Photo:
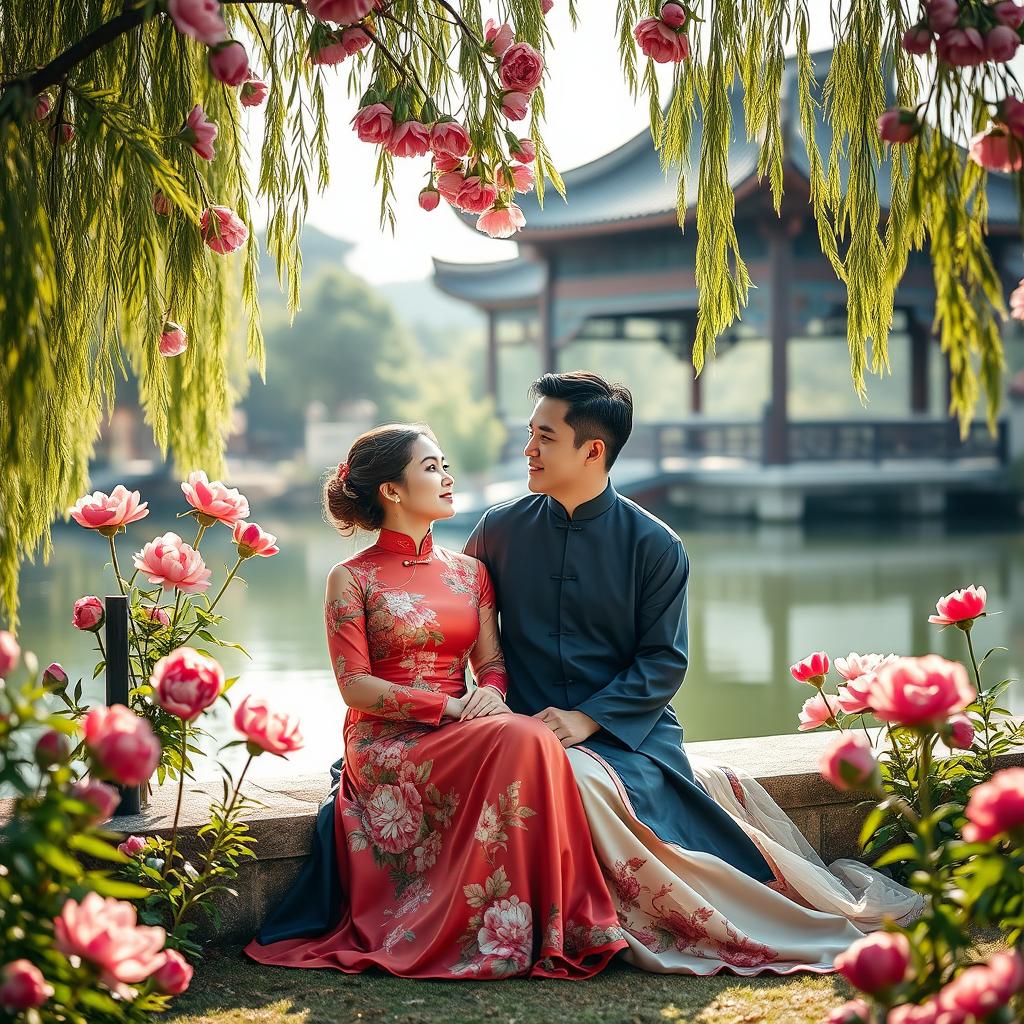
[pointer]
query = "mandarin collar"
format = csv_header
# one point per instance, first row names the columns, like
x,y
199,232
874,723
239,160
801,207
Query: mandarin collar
x,y
589,509
403,544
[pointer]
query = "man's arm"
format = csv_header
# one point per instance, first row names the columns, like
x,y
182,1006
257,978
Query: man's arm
x,y
630,705
476,546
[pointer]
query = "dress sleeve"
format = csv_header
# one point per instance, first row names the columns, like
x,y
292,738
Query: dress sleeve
x,y
630,705
345,614
486,657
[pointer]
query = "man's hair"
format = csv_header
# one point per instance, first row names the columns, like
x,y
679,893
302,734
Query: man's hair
x,y
597,408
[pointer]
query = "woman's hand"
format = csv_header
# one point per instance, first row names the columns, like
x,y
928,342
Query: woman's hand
x,y
484,700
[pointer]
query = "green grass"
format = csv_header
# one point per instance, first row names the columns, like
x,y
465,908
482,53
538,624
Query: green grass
x,y
228,988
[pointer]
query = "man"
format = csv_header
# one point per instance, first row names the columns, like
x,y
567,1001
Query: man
x,y
591,592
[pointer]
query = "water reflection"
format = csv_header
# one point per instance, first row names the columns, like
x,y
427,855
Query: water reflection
x,y
760,598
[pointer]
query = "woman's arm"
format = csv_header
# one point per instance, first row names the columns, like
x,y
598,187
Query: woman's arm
x,y
486,659
345,615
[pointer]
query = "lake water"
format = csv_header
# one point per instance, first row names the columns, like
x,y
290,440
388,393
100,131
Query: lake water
x,y
760,598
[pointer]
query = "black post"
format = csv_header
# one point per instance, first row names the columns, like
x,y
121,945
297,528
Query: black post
x,y
117,679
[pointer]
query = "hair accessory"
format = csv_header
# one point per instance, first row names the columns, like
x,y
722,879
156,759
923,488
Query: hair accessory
x,y
343,471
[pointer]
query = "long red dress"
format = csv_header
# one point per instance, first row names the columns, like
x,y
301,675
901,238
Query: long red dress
x,y
463,848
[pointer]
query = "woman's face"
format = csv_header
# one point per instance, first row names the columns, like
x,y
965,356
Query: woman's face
x,y
427,491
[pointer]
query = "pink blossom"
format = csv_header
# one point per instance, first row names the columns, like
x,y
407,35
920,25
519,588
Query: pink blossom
x,y
443,162
501,221
103,799
1009,13
43,106
476,195
22,986
815,712
328,55
410,138
169,561
898,125
449,183
105,932
875,963
546,5
51,749
514,105
122,743
175,975
88,613
61,134
109,513
960,732
229,63
811,669
1017,301
354,39
449,138
133,846
162,206
507,931
848,763
971,994
154,617
961,47
54,675
918,38
429,198
393,815
960,606
252,540
343,12
276,732
10,652
374,123
855,696
1006,973
912,1013
522,68
855,665
518,177
996,807
1001,44
942,14
200,19
214,500
525,152
173,339
674,15
660,42
856,1011
199,132
185,683
920,692
997,150
253,92
1011,113
223,232
498,38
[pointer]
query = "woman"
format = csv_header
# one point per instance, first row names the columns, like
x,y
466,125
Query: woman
x,y
461,845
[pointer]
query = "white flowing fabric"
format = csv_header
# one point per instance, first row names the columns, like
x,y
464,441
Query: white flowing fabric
x,y
693,913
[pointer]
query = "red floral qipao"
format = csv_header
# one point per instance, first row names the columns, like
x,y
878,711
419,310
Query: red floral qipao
x,y
463,849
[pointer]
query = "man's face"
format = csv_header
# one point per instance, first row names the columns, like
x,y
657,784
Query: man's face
x,y
555,461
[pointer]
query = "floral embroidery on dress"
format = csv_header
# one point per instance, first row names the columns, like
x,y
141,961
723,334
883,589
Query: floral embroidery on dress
x,y
582,938
461,576
495,820
498,941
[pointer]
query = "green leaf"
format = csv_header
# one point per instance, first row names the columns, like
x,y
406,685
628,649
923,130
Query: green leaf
x,y
97,848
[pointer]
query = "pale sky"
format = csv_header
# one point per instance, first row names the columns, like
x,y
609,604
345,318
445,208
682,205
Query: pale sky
x,y
589,113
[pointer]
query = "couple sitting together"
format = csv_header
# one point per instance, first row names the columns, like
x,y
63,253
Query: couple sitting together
x,y
547,818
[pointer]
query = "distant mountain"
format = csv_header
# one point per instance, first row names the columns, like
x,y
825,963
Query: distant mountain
x,y
319,250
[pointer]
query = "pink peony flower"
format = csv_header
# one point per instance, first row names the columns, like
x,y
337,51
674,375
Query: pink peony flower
x,y
429,198
961,47
175,976
476,195
911,1013
1009,13
393,816
674,15
328,55
61,134
1011,113
519,177
88,613
501,221
449,183
43,106
410,138
815,712
186,683
103,799
105,932
498,38
1006,973
342,12
223,232
109,513
1001,44
254,92
155,618
10,652
443,162
996,807
855,665
848,763
898,125
997,150
514,105
942,14
133,846
875,963
971,995
507,931
122,744
162,206
855,696
811,669
961,606
374,123
449,138
172,563
920,692
252,540
214,501
546,5
200,19
22,986
273,731
960,732
522,68
660,42
173,339
51,749
199,133
918,38
856,1011
54,675
355,39
229,63
525,152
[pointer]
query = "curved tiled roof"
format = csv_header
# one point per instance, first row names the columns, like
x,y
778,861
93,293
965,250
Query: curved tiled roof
x,y
507,283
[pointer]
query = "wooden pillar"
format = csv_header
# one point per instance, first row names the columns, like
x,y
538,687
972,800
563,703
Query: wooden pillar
x,y
776,441
548,352
920,345
492,356
696,398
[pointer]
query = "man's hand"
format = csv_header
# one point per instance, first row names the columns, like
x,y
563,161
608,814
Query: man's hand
x,y
484,700
571,727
